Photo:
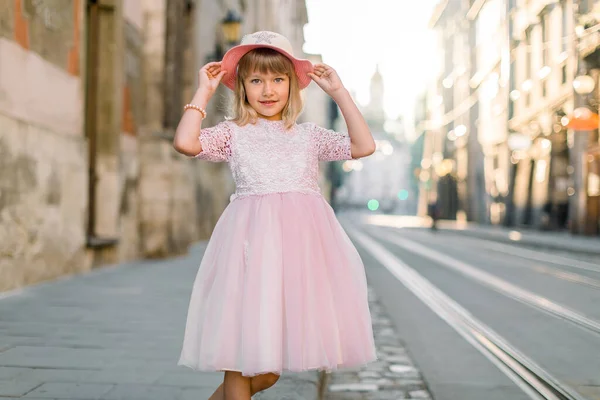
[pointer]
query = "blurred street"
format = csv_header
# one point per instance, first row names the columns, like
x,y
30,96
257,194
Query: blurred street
x,y
483,319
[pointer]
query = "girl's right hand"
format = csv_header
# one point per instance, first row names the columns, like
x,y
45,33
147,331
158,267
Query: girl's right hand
x,y
210,76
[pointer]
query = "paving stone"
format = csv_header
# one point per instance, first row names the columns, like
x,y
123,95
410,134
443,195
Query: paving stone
x,y
394,375
388,395
369,374
49,357
11,372
397,359
393,349
117,376
142,392
344,396
353,387
382,321
196,394
402,369
80,391
408,381
419,394
379,364
191,379
289,388
15,387
54,375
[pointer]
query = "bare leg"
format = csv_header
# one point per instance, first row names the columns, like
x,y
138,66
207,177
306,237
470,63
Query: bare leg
x,y
262,382
258,383
236,386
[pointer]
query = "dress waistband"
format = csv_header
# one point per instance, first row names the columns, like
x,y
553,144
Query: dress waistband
x,y
239,195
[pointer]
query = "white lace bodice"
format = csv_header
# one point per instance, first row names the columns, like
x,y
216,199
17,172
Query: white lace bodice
x,y
266,158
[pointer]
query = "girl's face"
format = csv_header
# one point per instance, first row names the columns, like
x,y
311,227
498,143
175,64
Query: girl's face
x,y
267,93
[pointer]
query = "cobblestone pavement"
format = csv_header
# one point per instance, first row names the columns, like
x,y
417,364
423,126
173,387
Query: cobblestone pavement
x,y
392,376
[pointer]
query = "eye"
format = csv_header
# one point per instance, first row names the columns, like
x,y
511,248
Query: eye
x,y
255,80
279,79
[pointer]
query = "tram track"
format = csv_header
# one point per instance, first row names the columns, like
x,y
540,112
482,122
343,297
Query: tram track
x,y
540,265
499,285
530,377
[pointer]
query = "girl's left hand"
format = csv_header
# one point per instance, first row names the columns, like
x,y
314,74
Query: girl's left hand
x,y
326,78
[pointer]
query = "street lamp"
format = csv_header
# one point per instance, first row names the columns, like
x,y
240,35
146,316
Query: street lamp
x,y
231,26
230,36
584,119
583,84
583,122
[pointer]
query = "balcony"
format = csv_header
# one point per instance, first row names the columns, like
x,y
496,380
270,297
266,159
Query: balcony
x,y
589,41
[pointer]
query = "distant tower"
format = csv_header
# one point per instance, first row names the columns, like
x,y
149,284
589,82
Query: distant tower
x,y
374,111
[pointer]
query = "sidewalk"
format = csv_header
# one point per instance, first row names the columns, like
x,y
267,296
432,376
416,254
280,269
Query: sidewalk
x,y
112,334
561,241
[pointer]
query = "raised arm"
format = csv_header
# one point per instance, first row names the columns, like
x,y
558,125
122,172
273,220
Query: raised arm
x,y
361,139
186,136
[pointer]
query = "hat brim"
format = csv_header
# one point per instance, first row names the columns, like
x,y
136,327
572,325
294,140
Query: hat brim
x,y
233,56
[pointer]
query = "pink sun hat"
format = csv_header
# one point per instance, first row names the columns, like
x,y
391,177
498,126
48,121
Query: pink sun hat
x,y
269,40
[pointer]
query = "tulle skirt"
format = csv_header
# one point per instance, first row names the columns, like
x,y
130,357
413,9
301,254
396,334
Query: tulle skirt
x,y
280,288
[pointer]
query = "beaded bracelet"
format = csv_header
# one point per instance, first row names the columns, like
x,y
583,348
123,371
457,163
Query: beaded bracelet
x,y
197,108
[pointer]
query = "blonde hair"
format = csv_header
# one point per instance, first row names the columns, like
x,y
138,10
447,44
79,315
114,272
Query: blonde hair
x,y
265,61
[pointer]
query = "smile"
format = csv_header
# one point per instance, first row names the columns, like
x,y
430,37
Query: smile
x,y
268,103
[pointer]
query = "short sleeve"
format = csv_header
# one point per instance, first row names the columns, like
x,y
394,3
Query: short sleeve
x,y
331,145
216,143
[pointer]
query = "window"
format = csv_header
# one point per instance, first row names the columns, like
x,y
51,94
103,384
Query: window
x,y
528,66
528,54
545,40
565,25
512,87
544,88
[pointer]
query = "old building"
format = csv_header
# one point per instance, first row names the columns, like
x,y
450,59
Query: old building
x,y
44,162
83,183
529,77
541,94
452,165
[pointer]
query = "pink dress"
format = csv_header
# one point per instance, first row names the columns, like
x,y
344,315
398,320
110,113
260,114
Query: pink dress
x,y
281,286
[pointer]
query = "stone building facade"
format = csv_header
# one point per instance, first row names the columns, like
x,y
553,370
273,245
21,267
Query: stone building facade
x,y
44,163
508,80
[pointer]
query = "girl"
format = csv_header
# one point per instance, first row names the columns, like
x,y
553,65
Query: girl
x,y
280,286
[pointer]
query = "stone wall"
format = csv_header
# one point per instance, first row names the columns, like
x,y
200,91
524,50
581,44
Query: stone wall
x,y
43,168
167,192
145,192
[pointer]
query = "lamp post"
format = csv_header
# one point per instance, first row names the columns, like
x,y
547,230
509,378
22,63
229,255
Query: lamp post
x,y
231,26
582,123
583,84
229,36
